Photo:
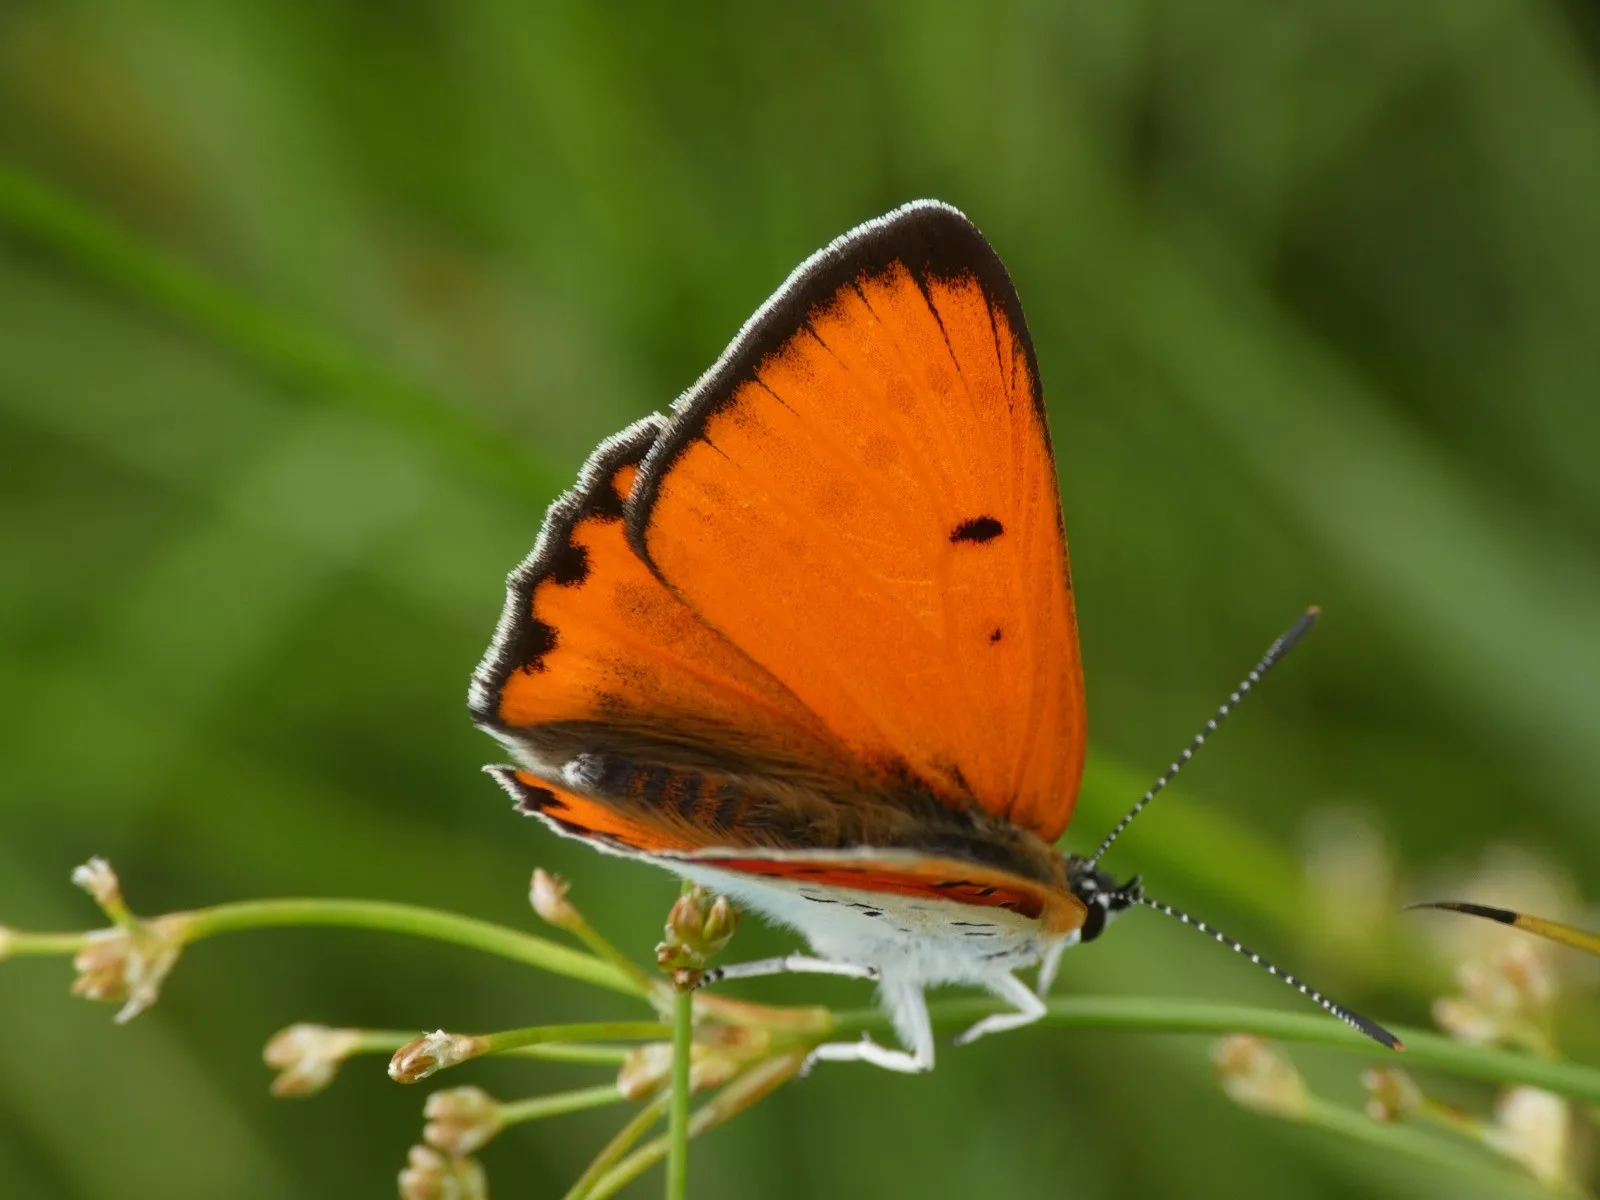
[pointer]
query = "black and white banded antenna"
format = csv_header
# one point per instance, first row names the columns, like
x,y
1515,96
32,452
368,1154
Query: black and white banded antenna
x,y
1275,652
1133,893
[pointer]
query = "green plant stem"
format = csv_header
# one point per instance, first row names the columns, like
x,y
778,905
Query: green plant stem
x,y
1157,1015
409,919
1423,1147
17,944
618,1146
292,353
574,1052
387,1041
602,949
743,1092
678,1112
514,1039
577,1100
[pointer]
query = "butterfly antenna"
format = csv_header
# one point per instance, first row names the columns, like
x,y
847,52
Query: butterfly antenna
x,y
1276,651
1134,893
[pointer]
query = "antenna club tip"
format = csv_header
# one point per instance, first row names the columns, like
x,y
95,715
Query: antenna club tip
x,y
1313,611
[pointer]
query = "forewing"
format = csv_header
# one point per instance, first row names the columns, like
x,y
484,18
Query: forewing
x,y
861,496
595,654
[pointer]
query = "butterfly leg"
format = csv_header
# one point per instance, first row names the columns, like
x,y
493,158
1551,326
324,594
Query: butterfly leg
x,y
909,1011
1048,965
789,964
1008,987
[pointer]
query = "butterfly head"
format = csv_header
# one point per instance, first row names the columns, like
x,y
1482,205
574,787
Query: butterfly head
x,y
1102,896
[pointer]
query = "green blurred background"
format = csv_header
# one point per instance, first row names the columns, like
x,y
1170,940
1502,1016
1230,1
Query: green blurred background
x,y
1316,294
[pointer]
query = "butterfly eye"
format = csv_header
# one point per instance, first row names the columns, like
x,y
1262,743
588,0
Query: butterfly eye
x,y
1094,923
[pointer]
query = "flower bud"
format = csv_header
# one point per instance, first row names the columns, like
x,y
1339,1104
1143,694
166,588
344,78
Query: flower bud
x,y
722,920
1394,1094
1534,1128
98,879
429,1175
684,919
1257,1076
432,1052
307,1057
127,965
1527,975
460,1120
548,895
698,928
1466,1021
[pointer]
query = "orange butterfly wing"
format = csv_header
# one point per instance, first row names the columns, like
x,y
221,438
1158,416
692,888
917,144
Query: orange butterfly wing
x,y
594,653
665,830
861,496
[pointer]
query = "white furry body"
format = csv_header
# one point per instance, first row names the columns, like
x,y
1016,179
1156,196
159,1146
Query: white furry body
x,y
927,942
907,944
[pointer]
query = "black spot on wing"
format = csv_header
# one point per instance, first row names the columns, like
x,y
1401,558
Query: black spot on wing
x,y
529,799
570,565
977,529
994,636
932,241
534,800
522,640
530,642
605,504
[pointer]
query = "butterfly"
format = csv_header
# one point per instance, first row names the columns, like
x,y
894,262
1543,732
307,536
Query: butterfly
x,y
810,640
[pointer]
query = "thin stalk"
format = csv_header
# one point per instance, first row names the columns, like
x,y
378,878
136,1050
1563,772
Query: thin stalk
x,y
516,1039
378,1041
678,1112
1157,1015
416,921
771,1017
744,1092
618,1146
574,922
576,1100
14,943
574,1052
427,1054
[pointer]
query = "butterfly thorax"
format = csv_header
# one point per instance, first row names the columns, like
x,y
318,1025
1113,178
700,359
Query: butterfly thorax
x,y
914,939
